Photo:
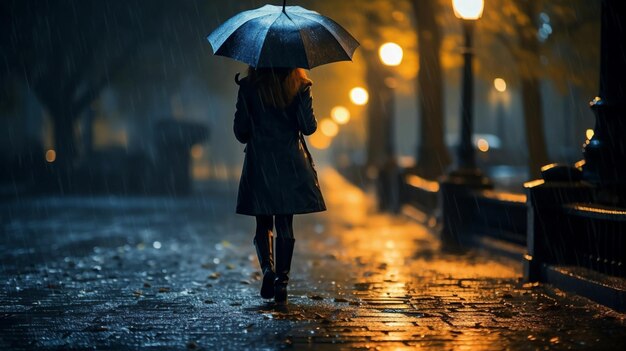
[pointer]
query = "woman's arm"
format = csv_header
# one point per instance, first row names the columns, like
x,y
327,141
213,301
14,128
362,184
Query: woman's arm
x,y
243,125
304,113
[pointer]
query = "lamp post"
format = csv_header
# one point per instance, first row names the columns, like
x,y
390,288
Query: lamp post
x,y
456,188
390,55
468,11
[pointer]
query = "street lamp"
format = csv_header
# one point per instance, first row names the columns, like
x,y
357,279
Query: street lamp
x,y
469,11
456,189
390,55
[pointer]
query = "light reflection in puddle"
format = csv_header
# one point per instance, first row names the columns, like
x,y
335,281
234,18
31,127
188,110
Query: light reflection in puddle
x,y
409,292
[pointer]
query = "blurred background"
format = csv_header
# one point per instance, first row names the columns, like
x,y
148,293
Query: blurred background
x,y
126,97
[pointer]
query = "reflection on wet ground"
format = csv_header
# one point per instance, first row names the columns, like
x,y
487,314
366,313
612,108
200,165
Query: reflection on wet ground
x,y
181,274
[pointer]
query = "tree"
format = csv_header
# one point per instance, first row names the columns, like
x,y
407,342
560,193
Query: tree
x,y
68,51
375,22
432,153
517,26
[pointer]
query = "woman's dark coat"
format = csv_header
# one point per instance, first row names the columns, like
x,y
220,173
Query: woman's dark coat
x,y
278,175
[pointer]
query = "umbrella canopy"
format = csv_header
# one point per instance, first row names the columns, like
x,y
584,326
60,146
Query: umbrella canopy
x,y
282,36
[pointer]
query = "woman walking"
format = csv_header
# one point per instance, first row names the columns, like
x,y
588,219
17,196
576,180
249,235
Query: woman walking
x,y
278,180
274,111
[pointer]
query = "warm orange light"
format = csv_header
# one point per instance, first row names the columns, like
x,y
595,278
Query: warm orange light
x,y
589,133
483,145
468,9
51,156
422,183
329,128
390,54
505,197
197,151
340,114
320,141
359,96
499,84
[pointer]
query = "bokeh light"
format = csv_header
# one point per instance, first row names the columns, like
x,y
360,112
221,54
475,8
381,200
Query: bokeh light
x,y
390,54
589,133
51,156
328,127
359,96
483,145
320,141
340,114
197,151
499,84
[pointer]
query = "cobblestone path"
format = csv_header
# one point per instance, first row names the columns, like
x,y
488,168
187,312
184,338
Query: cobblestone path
x,y
159,273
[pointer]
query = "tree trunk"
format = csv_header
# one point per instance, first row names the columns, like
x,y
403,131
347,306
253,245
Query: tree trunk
x,y
531,95
378,133
533,118
432,154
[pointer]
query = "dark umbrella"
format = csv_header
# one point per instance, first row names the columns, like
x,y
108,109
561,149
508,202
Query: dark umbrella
x,y
287,36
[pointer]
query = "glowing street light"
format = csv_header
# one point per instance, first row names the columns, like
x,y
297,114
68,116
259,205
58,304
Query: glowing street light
x,y
468,9
388,192
359,96
390,54
340,114
329,128
499,84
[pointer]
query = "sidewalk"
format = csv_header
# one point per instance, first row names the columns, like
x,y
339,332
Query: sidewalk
x,y
181,274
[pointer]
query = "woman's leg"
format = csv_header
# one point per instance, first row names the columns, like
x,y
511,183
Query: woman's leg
x,y
284,252
284,226
264,251
264,224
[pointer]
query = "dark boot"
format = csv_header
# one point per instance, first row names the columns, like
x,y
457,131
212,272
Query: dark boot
x,y
284,253
264,244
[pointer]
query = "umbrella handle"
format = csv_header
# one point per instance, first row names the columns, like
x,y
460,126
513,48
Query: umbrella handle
x,y
284,3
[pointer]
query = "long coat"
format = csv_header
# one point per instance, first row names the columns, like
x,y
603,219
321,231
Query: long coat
x,y
278,175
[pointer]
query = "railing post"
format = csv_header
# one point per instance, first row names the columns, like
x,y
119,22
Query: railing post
x,y
547,236
605,153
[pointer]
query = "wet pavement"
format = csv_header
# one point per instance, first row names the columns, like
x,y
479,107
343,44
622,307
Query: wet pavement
x,y
160,273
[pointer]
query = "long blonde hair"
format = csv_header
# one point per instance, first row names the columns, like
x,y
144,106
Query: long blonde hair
x,y
278,86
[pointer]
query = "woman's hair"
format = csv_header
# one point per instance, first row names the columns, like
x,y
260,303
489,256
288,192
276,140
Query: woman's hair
x,y
278,86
